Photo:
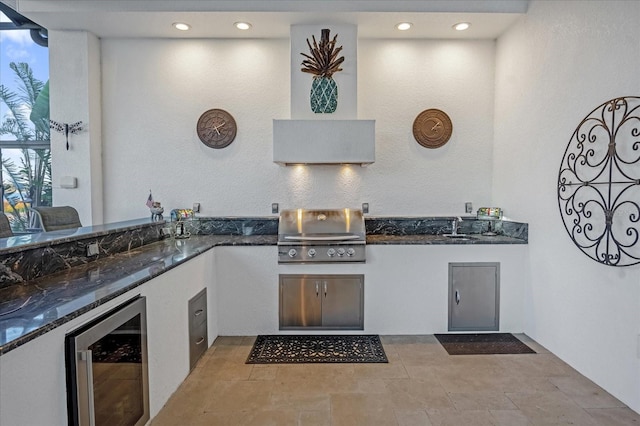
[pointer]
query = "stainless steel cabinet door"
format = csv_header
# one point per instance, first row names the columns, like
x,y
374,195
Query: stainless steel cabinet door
x,y
474,296
323,302
342,302
300,301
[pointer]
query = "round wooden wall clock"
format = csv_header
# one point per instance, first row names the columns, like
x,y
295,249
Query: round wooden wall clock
x,y
432,128
216,128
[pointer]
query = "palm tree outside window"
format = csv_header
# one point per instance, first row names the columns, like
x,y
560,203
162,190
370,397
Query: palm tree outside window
x,y
25,152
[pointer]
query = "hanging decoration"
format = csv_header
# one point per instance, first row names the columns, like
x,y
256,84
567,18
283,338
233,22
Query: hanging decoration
x,y
599,183
66,128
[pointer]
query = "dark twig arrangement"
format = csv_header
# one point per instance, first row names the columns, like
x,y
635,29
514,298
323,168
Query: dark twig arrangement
x,y
323,61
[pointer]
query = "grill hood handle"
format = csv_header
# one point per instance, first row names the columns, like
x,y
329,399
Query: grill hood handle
x,y
323,238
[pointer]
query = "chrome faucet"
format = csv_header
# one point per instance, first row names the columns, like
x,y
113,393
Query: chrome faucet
x,y
454,225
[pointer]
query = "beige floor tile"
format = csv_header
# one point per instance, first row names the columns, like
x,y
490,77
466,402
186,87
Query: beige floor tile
x,y
481,401
313,371
263,372
380,371
314,418
276,417
585,393
412,418
421,385
461,418
239,396
226,370
307,401
478,381
371,386
510,418
551,408
357,409
539,365
244,418
615,416
317,385
417,394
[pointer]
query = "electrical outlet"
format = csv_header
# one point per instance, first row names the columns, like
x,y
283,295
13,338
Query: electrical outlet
x,y
275,208
468,207
92,249
365,207
196,207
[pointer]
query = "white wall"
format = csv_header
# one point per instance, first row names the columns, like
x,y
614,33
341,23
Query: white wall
x,y
155,90
74,72
557,64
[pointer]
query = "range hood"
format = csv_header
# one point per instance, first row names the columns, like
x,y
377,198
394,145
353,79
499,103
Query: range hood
x,y
324,138
323,142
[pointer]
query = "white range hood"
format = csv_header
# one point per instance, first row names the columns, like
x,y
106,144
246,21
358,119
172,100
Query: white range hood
x,y
324,141
335,138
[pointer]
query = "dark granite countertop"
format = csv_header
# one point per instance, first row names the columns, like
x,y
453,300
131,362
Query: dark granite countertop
x,y
430,239
28,310
41,239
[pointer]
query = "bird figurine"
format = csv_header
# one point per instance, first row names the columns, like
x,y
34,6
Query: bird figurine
x,y
66,128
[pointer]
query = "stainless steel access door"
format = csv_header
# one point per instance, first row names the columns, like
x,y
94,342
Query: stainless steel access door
x,y
474,296
327,302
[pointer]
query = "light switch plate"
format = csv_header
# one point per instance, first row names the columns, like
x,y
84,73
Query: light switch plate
x,y
196,207
68,182
468,207
365,208
275,208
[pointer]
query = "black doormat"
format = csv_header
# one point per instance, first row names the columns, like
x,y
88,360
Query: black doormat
x,y
299,349
483,344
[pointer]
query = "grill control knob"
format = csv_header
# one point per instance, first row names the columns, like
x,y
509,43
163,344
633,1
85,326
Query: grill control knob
x,y
350,252
292,253
311,252
340,252
331,252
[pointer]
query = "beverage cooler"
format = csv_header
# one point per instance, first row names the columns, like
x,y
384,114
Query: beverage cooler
x,y
107,375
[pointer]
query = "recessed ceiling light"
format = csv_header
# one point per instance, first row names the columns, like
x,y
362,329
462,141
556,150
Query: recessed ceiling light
x,y
461,26
404,26
181,26
242,25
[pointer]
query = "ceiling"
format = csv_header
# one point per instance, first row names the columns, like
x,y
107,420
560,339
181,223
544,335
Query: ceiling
x,y
272,18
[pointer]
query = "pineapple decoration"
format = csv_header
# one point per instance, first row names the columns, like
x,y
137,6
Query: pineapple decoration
x,y
323,63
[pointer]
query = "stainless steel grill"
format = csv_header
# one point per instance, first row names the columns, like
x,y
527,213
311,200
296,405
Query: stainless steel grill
x,y
321,236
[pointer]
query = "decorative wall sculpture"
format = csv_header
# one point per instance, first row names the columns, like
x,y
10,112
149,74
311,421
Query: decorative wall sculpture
x,y
599,183
323,62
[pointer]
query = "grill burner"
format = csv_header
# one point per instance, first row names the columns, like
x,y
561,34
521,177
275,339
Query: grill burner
x,y
321,236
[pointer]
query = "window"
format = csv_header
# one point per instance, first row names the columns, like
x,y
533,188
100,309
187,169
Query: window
x,y
24,119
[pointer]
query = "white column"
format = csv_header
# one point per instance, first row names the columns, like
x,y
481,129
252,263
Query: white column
x,y
75,95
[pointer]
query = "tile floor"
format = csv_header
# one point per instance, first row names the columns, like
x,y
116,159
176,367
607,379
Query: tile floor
x,y
421,385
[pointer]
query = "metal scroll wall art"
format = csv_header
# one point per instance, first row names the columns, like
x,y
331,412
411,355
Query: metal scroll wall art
x,y
599,183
